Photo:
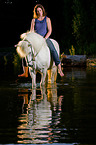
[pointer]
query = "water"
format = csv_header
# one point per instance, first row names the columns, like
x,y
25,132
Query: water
x,y
64,112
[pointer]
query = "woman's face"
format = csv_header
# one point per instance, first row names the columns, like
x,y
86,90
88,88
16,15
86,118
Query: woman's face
x,y
39,12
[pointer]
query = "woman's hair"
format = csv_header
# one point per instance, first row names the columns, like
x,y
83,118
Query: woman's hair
x,y
35,10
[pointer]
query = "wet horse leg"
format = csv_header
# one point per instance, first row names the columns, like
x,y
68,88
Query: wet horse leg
x,y
43,76
49,75
33,76
54,74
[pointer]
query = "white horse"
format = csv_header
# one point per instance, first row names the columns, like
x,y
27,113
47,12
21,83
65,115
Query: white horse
x,y
34,48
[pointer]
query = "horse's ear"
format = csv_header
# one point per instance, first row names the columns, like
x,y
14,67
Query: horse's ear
x,y
22,36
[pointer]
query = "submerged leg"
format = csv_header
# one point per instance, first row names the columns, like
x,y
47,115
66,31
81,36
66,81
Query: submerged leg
x,y
52,74
33,76
49,75
43,76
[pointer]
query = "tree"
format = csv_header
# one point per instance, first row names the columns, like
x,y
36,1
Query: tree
x,y
84,26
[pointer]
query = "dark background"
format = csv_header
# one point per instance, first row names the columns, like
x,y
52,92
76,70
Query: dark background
x,y
73,22
16,16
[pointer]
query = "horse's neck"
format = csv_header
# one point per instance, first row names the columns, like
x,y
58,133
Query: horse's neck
x,y
36,42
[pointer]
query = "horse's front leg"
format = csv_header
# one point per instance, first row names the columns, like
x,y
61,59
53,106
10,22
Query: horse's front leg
x,y
43,76
33,76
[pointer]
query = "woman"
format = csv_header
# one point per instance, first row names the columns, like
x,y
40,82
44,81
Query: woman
x,y
41,24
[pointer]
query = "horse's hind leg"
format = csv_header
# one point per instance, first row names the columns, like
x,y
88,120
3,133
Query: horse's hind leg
x,y
49,75
54,74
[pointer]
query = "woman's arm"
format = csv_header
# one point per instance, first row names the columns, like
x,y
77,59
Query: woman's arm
x,y
49,26
32,25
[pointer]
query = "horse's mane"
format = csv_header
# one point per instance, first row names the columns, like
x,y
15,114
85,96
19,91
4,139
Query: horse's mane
x,y
21,49
35,39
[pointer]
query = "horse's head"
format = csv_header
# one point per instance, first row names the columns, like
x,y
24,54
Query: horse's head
x,y
23,48
31,42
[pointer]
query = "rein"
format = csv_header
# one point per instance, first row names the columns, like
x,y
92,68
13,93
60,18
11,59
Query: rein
x,y
33,57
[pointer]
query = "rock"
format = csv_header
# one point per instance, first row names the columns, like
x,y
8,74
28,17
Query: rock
x,y
73,60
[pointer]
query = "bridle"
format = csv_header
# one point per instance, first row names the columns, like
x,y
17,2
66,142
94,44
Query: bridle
x,y
33,56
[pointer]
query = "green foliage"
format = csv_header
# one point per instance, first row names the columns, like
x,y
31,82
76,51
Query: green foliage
x,y
91,49
5,60
72,50
76,26
84,26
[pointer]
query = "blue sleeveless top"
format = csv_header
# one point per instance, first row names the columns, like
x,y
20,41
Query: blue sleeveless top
x,y
41,26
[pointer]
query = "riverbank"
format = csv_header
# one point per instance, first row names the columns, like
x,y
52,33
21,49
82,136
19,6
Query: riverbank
x,y
9,56
78,60
91,62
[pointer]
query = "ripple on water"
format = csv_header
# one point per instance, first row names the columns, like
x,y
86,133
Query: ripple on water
x,y
63,113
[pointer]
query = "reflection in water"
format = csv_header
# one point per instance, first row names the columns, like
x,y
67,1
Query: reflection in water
x,y
24,93
35,126
64,112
